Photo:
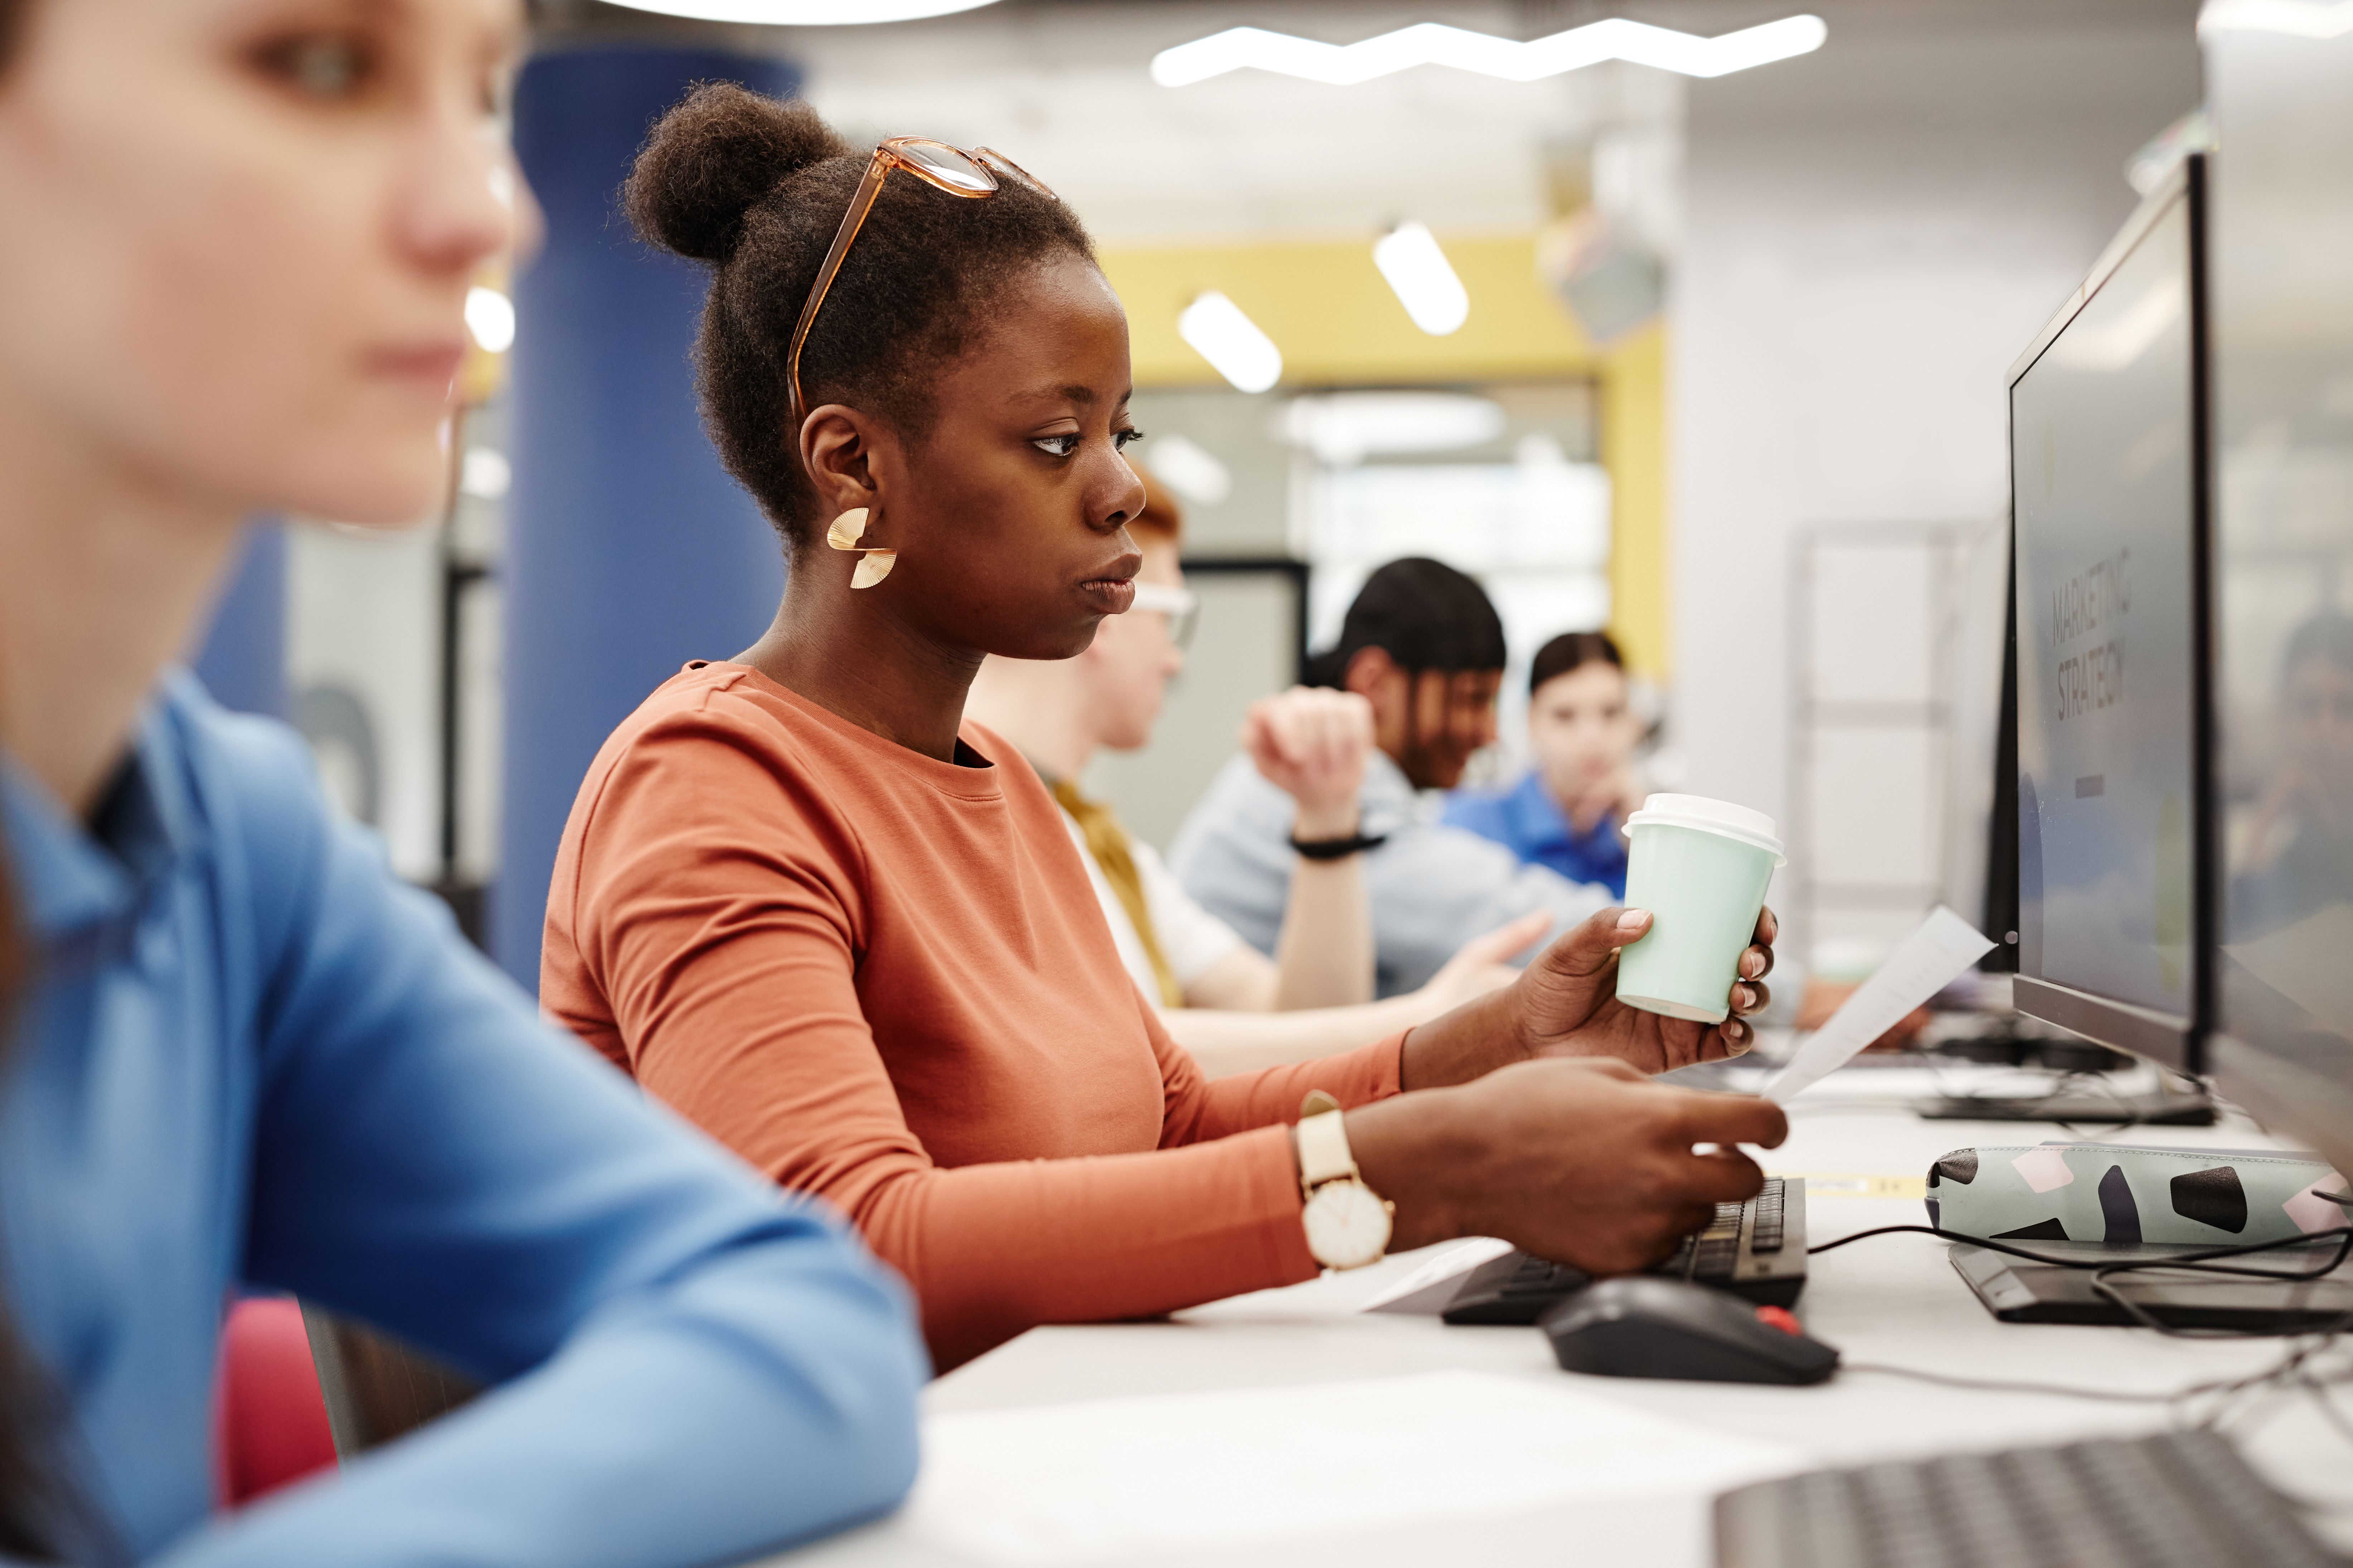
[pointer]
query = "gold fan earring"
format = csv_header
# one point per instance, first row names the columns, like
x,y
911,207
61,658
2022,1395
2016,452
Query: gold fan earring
x,y
873,564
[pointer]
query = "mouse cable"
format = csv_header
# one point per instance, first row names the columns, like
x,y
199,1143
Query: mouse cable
x,y
2318,1389
1997,1385
2290,1369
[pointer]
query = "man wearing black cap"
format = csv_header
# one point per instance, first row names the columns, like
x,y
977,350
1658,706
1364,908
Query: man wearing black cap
x,y
1424,645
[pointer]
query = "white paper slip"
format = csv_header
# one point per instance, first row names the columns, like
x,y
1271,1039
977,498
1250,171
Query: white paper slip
x,y
1191,1478
1929,959
1451,1264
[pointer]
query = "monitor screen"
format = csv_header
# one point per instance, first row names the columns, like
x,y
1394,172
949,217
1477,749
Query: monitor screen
x,y
2104,492
2284,562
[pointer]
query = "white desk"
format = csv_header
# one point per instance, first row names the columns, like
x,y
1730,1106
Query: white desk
x,y
1892,1300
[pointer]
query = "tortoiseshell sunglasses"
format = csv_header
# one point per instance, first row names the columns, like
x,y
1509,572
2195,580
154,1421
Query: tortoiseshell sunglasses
x,y
950,169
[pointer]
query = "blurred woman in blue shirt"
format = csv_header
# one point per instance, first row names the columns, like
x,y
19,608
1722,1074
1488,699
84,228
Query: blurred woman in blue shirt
x,y
1566,811
238,1051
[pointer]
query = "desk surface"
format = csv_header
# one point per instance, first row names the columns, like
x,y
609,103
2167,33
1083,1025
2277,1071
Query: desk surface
x,y
1891,1300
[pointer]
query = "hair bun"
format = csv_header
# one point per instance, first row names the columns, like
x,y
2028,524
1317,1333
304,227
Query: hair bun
x,y
712,158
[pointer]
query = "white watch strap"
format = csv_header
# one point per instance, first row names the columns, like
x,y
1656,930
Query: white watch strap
x,y
1323,1153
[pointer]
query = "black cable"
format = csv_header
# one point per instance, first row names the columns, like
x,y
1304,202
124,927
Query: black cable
x,y
2283,1376
2286,1368
2146,1319
1995,1385
2192,1262
2200,1263
2318,1389
2288,1371
2132,1118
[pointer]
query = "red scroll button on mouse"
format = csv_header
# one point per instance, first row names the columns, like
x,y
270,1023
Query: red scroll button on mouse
x,y
1779,1318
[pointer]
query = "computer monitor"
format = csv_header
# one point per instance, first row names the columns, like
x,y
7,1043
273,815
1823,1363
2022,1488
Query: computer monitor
x,y
2283,1044
2110,544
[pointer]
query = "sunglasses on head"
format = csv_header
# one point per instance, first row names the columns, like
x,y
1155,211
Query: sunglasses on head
x,y
980,173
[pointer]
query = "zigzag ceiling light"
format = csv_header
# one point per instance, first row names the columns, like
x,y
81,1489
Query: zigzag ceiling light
x,y
2297,18
806,13
1435,44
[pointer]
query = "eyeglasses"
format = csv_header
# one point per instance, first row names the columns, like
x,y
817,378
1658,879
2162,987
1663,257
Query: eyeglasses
x,y
951,169
1181,605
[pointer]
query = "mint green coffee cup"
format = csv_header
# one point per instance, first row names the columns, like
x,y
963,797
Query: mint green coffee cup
x,y
1701,867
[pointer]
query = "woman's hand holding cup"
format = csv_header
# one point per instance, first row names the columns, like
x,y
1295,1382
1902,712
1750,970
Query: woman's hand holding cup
x,y
1573,1009
1565,1004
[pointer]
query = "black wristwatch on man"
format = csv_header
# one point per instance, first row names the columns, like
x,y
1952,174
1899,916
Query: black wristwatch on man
x,y
1339,848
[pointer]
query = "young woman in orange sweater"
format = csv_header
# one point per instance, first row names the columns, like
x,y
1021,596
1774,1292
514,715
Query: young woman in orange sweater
x,y
798,898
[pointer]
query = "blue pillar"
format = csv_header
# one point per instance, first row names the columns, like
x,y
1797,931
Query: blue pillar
x,y
629,551
242,659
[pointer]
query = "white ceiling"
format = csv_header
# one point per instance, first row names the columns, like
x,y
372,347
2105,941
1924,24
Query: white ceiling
x,y
1061,86
1063,89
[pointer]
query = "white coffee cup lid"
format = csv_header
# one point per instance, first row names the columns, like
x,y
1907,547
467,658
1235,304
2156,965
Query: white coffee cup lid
x,y
1736,822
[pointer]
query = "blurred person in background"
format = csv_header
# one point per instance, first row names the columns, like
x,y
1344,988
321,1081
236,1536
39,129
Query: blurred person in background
x,y
238,240
809,903
1580,785
1228,1003
1424,647
2297,855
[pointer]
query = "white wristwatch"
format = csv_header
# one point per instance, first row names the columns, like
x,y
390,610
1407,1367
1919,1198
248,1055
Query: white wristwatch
x,y
1347,1222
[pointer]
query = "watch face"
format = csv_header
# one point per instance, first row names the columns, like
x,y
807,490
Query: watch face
x,y
1347,1226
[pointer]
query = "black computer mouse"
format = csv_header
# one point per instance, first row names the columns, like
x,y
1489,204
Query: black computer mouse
x,y
1643,1326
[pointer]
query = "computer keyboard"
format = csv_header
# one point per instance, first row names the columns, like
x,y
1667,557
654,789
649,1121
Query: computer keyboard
x,y
2183,1500
1756,1250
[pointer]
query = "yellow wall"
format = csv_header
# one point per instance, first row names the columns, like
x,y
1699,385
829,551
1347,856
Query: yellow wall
x,y
1332,315
1330,311
1634,451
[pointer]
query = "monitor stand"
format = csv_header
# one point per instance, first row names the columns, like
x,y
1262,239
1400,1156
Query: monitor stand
x,y
2015,1039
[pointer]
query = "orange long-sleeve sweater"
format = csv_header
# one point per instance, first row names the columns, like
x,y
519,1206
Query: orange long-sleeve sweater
x,y
884,979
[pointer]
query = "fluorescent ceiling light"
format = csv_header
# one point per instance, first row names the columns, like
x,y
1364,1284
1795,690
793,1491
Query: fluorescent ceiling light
x,y
1539,449
490,316
2296,18
1191,470
1231,342
804,12
1434,44
1345,427
1425,285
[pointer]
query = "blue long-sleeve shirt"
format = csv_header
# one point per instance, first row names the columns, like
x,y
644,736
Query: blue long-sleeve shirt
x,y
1526,820
254,1057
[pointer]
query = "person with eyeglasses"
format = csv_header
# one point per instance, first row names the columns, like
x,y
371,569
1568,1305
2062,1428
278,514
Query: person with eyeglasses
x,y
1233,1007
811,906
1422,645
241,1055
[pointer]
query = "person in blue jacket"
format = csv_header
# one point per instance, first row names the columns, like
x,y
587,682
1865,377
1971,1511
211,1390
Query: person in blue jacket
x,y
1566,811
237,1052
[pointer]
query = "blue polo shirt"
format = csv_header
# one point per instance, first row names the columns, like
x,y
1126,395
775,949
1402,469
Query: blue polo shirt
x,y
1527,821
254,1057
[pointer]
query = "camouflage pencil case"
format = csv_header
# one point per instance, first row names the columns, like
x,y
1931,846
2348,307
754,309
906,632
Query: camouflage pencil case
x,y
2102,1192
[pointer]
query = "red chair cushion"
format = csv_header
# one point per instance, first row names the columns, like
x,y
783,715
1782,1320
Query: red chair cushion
x,y
270,1424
